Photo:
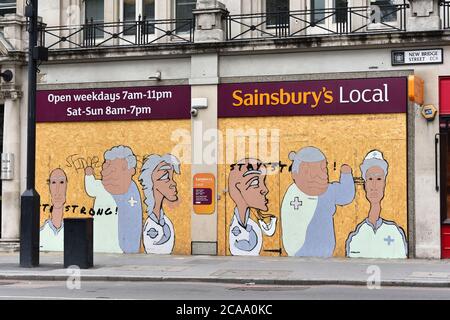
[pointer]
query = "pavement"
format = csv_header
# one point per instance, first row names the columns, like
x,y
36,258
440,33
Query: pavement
x,y
238,270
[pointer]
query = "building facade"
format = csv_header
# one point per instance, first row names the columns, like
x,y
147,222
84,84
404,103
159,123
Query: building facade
x,y
292,128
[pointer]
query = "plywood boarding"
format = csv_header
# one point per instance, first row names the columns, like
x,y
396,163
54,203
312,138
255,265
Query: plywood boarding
x,y
343,139
72,146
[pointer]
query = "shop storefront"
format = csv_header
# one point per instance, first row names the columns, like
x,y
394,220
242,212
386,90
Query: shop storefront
x,y
107,154
314,168
307,168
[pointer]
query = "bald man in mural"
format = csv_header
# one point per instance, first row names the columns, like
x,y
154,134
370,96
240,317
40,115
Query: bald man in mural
x,y
118,228
248,190
52,231
310,203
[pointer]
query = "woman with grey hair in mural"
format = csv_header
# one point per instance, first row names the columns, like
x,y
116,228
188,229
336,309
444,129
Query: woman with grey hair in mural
x,y
375,237
158,184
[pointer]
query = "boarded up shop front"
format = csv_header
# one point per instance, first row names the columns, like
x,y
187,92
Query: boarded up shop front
x,y
107,154
314,168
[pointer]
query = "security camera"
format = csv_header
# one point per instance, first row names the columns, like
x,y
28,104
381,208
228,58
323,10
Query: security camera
x,y
194,112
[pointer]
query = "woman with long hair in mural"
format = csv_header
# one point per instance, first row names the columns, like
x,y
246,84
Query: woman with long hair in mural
x,y
248,190
157,181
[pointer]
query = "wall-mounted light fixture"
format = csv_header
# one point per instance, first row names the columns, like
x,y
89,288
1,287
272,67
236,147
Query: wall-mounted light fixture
x,y
156,77
7,75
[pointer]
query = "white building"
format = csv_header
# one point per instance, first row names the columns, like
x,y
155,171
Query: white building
x,y
220,50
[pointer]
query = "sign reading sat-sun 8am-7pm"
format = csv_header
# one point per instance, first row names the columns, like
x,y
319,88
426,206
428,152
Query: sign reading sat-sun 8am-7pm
x,y
110,104
315,97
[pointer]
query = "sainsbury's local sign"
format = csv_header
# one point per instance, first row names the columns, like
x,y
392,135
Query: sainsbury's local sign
x,y
315,97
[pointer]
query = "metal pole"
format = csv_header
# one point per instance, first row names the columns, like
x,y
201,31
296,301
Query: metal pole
x,y
30,200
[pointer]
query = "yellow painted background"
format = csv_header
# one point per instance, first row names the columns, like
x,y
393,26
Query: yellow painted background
x,y
57,141
344,139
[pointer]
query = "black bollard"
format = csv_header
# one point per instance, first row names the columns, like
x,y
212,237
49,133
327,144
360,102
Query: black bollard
x,y
79,242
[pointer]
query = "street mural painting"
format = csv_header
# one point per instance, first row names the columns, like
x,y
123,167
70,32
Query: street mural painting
x,y
157,180
376,237
117,207
118,197
52,231
127,196
308,207
248,190
310,202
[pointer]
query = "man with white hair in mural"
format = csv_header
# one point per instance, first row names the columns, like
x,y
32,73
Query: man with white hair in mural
x,y
157,181
375,237
118,219
310,203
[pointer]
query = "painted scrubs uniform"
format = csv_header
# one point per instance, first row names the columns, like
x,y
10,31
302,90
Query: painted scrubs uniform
x,y
51,238
130,219
158,235
307,222
384,240
106,227
246,237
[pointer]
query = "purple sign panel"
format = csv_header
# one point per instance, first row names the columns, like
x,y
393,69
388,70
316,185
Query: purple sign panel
x,y
202,196
111,104
316,97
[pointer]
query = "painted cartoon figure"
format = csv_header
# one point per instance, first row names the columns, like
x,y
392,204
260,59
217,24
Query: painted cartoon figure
x,y
118,228
309,204
248,190
158,184
375,237
52,231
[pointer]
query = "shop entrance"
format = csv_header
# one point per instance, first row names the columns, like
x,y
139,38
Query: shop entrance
x,y
444,131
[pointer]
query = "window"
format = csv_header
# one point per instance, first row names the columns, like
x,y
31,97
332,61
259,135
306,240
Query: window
x,y
135,10
7,6
317,11
95,10
326,11
183,12
277,13
341,11
383,11
95,13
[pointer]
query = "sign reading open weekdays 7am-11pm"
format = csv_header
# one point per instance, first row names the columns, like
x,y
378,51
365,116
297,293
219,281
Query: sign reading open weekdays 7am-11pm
x,y
114,104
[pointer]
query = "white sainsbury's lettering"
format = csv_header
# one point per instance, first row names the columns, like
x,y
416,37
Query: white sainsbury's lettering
x,y
367,95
